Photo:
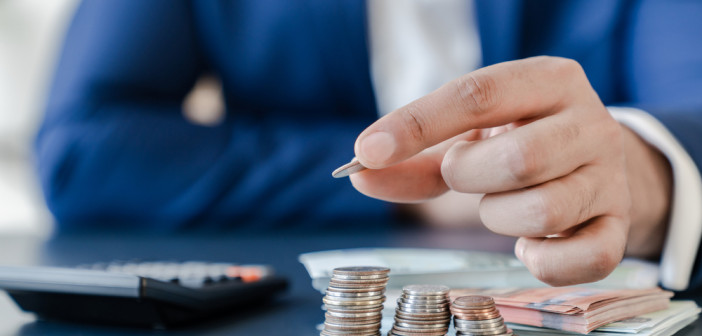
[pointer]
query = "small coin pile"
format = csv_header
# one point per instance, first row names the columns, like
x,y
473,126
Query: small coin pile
x,y
476,315
354,301
422,310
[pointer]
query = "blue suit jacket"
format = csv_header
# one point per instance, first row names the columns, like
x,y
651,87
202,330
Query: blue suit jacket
x,y
114,147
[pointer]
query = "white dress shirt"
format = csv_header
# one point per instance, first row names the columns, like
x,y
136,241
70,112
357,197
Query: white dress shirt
x,y
418,45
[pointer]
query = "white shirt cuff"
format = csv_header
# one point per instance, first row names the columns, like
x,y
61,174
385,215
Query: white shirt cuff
x,y
685,223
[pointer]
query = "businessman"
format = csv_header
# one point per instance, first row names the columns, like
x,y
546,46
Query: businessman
x,y
580,181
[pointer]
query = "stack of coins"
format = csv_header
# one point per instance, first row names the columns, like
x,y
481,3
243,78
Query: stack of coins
x,y
422,310
477,315
354,301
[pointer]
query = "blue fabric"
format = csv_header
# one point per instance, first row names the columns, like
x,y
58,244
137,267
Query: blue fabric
x,y
114,148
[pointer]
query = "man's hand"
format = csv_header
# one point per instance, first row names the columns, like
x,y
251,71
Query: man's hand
x,y
534,137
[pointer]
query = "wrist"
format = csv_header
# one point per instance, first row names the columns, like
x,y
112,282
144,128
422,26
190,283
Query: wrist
x,y
650,186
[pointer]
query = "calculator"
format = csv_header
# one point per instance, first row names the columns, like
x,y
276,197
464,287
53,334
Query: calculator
x,y
146,294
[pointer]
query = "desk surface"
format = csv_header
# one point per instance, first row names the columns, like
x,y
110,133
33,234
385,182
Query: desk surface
x,y
296,313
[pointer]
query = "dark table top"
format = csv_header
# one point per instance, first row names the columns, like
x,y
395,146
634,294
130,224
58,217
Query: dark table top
x,y
296,313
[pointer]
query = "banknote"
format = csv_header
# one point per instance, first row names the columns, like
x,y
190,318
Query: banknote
x,y
576,309
453,268
458,268
661,323
677,311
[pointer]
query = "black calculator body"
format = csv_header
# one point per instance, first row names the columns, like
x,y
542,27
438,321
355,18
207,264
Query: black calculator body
x,y
145,294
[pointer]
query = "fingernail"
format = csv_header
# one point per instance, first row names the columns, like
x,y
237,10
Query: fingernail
x,y
519,248
377,148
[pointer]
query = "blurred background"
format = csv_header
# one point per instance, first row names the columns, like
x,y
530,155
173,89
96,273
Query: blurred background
x,y
30,36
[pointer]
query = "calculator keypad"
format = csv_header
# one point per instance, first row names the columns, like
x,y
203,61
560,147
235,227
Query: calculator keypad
x,y
189,274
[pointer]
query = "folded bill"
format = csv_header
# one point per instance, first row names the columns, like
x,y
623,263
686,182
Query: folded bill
x,y
575,309
457,268
661,323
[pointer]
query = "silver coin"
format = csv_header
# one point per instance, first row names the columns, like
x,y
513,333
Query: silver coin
x,y
351,330
420,314
403,299
332,332
341,326
495,320
484,310
354,311
346,333
347,320
422,326
356,290
352,321
347,285
474,301
496,325
426,290
397,332
380,281
350,168
354,294
337,284
357,283
494,332
423,302
355,299
415,317
337,308
482,327
424,297
361,270
422,321
429,324
352,314
353,303
479,324
470,317
415,331
443,329
423,310
360,277
422,306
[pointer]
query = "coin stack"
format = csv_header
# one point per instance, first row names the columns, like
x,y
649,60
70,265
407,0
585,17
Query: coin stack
x,y
422,310
477,315
354,301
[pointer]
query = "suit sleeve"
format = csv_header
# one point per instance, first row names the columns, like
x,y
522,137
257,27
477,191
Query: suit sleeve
x,y
114,148
665,80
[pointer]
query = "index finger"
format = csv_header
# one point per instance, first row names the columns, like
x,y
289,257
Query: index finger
x,y
488,97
